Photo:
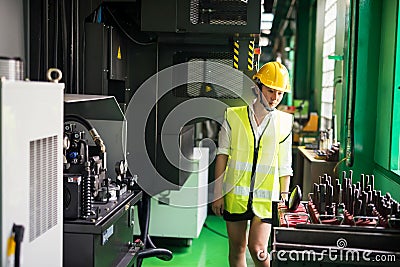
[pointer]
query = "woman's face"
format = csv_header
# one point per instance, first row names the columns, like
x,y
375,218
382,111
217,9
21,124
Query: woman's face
x,y
273,97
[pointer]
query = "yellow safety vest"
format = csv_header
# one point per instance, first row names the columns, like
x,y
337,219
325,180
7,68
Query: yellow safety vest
x,y
243,155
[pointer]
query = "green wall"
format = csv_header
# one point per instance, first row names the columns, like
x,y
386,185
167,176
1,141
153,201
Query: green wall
x,y
373,86
385,84
395,156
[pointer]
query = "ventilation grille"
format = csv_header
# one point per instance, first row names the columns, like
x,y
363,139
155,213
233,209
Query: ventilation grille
x,y
218,12
233,84
43,189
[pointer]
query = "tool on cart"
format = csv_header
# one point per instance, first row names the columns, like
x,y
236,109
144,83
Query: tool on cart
x,y
294,199
358,204
292,212
340,217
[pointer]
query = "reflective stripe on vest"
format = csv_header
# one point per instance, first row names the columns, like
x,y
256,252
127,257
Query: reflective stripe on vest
x,y
238,174
245,191
245,166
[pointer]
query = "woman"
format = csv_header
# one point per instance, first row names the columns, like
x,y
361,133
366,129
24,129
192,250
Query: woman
x,y
253,166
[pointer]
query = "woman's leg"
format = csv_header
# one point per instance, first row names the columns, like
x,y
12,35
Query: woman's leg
x,y
237,243
258,242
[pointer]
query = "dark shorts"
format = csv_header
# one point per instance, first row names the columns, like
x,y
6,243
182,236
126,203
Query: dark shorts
x,y
247,215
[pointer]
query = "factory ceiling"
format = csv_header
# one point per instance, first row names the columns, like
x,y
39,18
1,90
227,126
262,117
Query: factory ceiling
x,y
284,11
283,24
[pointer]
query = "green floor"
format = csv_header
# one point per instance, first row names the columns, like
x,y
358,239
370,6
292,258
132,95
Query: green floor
x,y
210,249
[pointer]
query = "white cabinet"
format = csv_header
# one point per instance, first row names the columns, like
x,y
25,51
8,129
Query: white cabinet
x,y
186,212
31,170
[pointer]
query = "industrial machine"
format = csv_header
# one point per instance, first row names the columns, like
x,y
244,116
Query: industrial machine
x,y
97,171
85,179
98,202
31,173
100,198
202,16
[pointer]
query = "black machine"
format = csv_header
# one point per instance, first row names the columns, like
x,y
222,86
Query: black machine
x,y
85,181
98,210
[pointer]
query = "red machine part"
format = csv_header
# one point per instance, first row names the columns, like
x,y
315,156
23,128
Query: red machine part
x,y
291,218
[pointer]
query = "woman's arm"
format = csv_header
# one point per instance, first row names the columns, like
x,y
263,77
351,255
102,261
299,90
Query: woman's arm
x,y
220,166
285,166
284,182
224,140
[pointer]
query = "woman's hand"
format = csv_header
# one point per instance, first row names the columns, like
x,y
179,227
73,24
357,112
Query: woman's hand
x,y
284,196
218,206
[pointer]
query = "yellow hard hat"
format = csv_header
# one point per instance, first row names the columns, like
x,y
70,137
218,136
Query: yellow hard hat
x,y
274,75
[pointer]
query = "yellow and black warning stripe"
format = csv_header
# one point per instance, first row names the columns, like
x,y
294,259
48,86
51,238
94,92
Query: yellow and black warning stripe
x,y
250,57
236,54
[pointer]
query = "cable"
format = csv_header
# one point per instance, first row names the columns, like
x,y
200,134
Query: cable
x,y
149,248
71,50
18,231
45,37
160,253
64,37
56,35
337,165
122,29
214,231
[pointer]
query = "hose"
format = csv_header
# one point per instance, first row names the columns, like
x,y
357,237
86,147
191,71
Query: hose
x,y
160,253
144,214
150,249
144,218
